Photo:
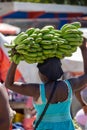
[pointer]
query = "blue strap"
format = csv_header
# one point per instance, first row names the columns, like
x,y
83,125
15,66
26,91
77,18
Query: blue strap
x,y
69,88
42,93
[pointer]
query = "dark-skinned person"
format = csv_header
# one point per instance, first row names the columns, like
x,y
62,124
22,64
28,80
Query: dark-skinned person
x,y
81,115
79,95
58,115
6,112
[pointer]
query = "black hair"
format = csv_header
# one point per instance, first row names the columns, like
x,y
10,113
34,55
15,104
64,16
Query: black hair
x,y
51,68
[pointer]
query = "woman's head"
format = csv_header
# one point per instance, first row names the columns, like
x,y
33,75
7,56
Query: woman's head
x,y
51,68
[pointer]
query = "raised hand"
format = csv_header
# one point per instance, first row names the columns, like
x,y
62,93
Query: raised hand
x,y
84,44
83,48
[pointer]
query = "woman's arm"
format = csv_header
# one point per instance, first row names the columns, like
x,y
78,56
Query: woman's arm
x,y
28,89
10,75
78,96
83,49
79,82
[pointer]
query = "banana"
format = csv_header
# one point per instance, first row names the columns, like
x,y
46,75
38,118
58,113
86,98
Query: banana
x,y
64,26
39,35
62,41
31,42
50,27
68,54
39,58
72,31
51,55
45,42
54,41
77,24
30,61
73,49
44,30
32,50
43,57
32,55
74,39
25,41
16,59
80,32
67,27
22,46
56,37
47,36
9,51
65,46
71,36
20,39
39,61
23,52
39,49
36,31
49,46
7,45
52,32
39,54
53,52
16,40
30,58
75,43
30,31
57,31
57,34
59,54
47,51
64,51
38,40
34,35
36,46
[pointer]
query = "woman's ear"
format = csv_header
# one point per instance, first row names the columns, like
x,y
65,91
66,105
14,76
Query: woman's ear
x,y
43,77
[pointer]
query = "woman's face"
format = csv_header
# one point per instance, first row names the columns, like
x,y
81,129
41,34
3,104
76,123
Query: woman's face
x,y
43,77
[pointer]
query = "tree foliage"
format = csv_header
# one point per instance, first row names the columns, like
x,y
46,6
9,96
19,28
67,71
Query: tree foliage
x,y
71,2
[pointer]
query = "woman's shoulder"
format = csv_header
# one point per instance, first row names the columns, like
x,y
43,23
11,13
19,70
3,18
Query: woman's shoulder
x,y
60,83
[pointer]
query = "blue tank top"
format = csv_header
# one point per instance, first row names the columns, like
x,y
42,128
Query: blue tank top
x,y
58,115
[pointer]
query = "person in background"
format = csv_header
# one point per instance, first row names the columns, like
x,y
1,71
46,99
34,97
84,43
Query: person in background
x,y
6,112
58,114
79,98
81,114
30,114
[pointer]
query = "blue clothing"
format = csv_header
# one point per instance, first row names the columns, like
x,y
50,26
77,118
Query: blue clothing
x,y
57,116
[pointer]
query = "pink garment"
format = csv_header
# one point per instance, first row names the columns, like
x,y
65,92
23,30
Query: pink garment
x,y
81,117
28,123
29,103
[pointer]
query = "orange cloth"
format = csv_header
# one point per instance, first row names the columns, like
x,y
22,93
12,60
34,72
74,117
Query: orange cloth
x,y
4,65
28,123
10,127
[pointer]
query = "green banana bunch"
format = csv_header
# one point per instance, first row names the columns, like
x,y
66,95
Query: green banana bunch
x,y
36,45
